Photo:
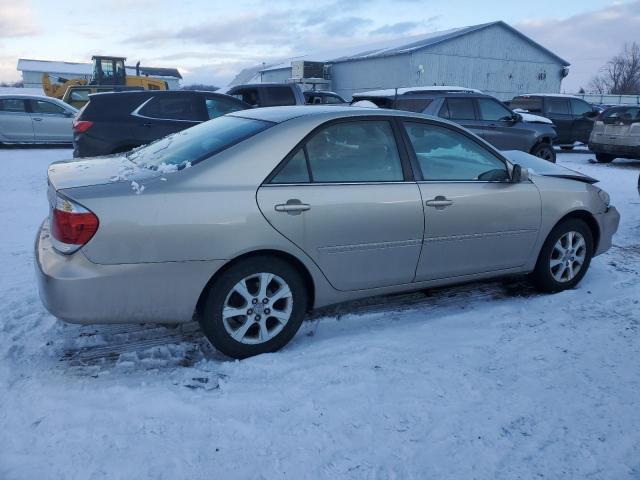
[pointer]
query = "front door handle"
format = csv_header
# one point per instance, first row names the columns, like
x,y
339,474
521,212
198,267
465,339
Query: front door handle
x,y
38,119
439,203
293,207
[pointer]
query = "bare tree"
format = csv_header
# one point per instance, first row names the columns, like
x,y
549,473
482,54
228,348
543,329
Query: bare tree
x,y
621,74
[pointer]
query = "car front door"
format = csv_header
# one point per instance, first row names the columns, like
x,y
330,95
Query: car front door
x,y
500,129
51,122
15,122
583,119
462,111
476,220
558,111
346,198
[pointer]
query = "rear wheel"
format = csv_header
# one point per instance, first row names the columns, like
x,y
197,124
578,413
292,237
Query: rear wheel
x,y
565,257
604,158
545,151
255,307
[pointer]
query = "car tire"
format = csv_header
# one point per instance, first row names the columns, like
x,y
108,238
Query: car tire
x,y
604,158
567,148
570,242
255,329
545,151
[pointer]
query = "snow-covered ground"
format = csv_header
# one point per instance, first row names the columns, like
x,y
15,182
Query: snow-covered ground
x,y
485,381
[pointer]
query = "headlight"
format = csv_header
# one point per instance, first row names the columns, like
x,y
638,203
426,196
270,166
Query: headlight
x,y
604,196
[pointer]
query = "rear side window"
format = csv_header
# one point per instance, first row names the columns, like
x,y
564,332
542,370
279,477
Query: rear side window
x,y
171,108
276,96
79,95
446,155
12,105
247,95
333,99
622,115
417,105
295,171
530,104
492,111
359,151
558,105
458,109
217,106
197,143
39,106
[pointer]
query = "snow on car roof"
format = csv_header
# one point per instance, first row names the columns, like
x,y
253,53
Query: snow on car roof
x,y
400,91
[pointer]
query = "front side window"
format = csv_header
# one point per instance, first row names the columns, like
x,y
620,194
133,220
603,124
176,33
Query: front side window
x,y
197,143
530,104
216,107
622,115
79,95
170,108
580,107
358,151
277,96
491,110
40,106
247,95
558,105
447,155
12,105
458,109
332,99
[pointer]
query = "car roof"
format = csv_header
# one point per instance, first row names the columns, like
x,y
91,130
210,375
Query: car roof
x,y
326,112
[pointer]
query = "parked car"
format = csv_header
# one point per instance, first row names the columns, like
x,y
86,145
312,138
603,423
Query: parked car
x,y
316,97
78,95
572,116
268,94
484,115
616,134
116,122
249,220
35,119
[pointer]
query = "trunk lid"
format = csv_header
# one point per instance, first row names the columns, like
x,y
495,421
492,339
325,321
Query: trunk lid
x,y
96,171
542,167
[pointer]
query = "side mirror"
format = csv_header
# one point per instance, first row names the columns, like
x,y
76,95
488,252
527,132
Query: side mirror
x,y
516,117
68,114
519,174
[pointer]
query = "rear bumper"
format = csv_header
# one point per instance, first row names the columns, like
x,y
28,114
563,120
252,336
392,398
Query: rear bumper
x,y
608,223
84,145
76,290
626,151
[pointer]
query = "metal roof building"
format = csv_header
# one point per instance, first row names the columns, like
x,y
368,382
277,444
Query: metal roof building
x,y
492,57
32,71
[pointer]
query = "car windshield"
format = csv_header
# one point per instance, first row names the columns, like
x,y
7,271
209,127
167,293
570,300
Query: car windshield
x,y
194,144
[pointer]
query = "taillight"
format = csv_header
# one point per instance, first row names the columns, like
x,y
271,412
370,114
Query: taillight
x,y
81,126
72,225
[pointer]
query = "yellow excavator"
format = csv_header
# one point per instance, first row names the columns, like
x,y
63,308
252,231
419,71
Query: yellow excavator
x,y
108,73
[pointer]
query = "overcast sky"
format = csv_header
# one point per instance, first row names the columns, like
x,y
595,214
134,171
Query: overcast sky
x,y
211,41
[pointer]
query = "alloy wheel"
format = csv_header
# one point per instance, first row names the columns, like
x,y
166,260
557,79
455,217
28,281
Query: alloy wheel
x,y
568,256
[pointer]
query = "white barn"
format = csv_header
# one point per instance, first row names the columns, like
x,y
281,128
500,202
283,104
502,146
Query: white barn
x,y
492,57
32,71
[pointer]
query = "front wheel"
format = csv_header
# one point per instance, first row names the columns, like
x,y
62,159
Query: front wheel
x,y
565,257
544,151
255,307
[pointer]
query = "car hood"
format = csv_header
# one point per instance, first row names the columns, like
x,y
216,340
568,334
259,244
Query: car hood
x,y
85,172
545,168
531,118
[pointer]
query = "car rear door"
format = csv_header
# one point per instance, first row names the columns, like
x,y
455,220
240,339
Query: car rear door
x,y
163,115
462,110
558,111
476,220
15,121
346,197
583,119
499,129
51,122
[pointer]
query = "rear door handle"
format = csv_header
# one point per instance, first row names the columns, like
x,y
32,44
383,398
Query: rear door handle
x,y
293,207
439,203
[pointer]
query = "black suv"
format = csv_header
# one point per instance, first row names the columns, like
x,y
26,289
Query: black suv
x,y
268,94
572,116
482,114
119,121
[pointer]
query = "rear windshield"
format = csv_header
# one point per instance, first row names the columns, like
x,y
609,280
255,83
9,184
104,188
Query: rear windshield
x,y
530,104
622,114
194,144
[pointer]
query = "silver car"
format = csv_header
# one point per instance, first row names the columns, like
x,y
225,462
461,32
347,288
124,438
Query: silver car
x,y
248,221
616,134
35,119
